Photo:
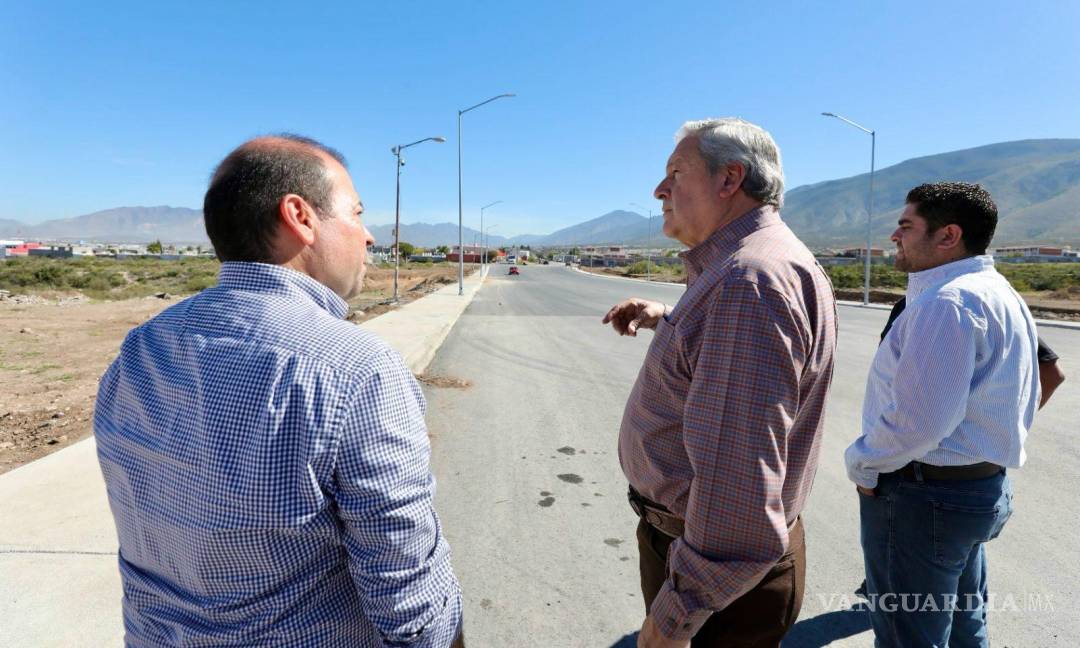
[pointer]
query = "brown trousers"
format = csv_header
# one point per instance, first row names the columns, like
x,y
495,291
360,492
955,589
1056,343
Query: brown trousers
x,y
757,619
460,641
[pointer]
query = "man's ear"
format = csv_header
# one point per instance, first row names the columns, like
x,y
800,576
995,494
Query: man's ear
x,y
297,219
729,179
950,237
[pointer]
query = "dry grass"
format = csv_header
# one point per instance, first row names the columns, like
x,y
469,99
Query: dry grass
x,y
54,348
414,281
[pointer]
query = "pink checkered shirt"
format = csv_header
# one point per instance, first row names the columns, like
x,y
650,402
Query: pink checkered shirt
x,y
724,423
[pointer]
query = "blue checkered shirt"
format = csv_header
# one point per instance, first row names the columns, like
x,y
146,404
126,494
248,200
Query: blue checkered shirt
x,y
267,466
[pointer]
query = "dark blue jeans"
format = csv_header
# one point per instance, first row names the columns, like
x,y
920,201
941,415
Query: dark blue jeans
x,y
925,561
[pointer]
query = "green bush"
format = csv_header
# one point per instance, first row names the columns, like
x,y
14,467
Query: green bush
x,y
197,284
98,283
848,277
106,278
641,267
1041,276
845,277
52,275
1021,285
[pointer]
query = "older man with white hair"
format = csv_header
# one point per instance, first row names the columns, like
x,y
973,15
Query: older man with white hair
x,y
720,436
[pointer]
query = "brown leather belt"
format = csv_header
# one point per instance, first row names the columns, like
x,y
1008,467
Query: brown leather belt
x,y
655,515
917,471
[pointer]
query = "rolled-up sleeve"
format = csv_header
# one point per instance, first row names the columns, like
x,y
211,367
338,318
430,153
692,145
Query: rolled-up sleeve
x,y
398,557
741,405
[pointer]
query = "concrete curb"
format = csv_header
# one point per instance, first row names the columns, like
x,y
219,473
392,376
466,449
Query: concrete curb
x,y
652,283
417,329
61,586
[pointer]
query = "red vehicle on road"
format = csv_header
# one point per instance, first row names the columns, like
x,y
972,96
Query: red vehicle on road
x,y
514,270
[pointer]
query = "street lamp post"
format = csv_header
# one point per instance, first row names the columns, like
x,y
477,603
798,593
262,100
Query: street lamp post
x,y
648,250
870,201
483,255
461,228
397,204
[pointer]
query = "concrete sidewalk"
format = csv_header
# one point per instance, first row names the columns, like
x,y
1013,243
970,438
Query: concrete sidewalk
x,y
59,584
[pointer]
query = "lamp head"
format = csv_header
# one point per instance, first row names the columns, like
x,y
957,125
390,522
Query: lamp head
x,y
440,140
828,114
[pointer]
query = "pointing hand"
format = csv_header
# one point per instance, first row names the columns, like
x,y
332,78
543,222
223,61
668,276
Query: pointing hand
x,y
628,316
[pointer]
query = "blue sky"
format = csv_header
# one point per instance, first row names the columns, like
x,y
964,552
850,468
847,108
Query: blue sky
x,y
108,104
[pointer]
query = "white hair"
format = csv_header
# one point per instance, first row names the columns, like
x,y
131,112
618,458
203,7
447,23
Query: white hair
x,y
730,139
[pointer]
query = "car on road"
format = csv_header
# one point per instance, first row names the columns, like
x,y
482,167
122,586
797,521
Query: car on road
x,y
514,270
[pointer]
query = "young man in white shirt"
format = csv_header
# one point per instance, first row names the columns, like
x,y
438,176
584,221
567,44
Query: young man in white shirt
x,y
950,396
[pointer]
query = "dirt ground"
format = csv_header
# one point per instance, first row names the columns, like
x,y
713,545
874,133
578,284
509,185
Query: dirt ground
x,y
54,348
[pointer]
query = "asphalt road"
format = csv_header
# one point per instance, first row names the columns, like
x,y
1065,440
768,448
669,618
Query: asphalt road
x,y
533,500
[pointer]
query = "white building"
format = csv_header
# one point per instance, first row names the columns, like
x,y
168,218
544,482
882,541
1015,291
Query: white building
x,y
605,255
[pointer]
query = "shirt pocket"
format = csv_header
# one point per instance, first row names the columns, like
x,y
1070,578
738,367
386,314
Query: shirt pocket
x,y
660,348
664,364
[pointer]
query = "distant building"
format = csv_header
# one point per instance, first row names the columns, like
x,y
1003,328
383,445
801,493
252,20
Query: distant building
x,y
473,254
21,249
604,256
1030,250
1034,254
428,258
130,251
52,252
860,251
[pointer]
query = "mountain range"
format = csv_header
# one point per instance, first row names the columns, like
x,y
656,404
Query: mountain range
x,y
120,225
1036,184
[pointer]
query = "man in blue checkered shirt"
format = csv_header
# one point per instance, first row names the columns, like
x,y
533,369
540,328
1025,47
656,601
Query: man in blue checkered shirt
x,y
267,462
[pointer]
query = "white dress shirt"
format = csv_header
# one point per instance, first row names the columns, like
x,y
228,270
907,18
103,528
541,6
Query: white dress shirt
x,y
956,380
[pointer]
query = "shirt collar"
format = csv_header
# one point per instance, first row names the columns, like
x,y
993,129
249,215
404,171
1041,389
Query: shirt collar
x,y
725,240
919,282
279,280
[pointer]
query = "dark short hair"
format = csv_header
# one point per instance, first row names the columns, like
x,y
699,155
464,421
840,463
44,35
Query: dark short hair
x,y
240,209
958,203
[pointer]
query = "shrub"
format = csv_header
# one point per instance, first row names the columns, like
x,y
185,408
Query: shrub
x,y
97,283
52,276
197,284
108,278
641,267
